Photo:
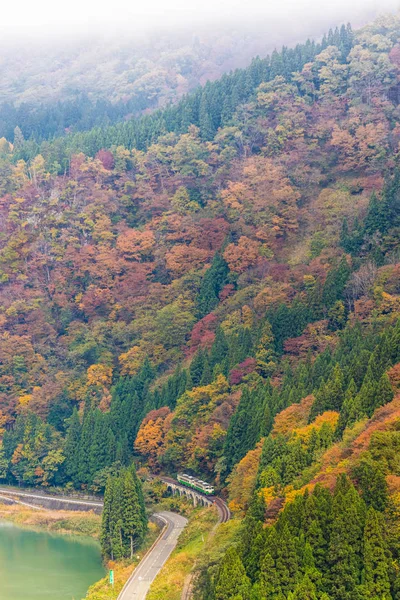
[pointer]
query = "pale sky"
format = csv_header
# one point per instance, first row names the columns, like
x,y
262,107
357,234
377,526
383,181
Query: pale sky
x,y
46,18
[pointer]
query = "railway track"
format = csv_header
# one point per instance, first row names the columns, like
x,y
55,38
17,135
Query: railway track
x,y
223,510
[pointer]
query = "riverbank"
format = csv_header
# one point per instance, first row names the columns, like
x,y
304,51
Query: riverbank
x,y
56,521
102,590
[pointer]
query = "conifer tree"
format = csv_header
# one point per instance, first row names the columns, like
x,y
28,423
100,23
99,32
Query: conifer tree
x,y
372,481
132,522
219,350
72,448
124,521
286,561
344,556
106,538
85,467
232,580
305,590
265,354
212,283
376,576
351,409
335,283
330,396
197,367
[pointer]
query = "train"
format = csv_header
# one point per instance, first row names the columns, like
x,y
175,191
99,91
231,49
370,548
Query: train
x,y
196,484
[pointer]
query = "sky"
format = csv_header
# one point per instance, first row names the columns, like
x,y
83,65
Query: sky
x,y
48,18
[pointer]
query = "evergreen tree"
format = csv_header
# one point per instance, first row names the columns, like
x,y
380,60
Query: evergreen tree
x,y
330,396
124,521
85,466
376,576
372,481
105,537
219,350
344,556
197,367
335,284
212,283
305,590
72,448
132,520
18,138
231,579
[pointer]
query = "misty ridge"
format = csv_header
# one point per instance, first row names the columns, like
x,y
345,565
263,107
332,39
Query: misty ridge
x,y
162,53
77,74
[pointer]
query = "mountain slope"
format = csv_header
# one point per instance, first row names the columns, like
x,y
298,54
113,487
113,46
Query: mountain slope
x,y
216,289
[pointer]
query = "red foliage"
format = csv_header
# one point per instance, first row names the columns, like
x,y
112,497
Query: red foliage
x,y
159,413
210,234
243,369
279,272
226,291
106,158
203,335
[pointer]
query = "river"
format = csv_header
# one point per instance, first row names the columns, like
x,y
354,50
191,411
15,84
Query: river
x,y
43,566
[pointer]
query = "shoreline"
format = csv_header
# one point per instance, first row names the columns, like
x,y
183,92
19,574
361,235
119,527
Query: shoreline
x,y
85,523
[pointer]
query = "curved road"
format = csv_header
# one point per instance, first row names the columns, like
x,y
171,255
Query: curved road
x,y
139,583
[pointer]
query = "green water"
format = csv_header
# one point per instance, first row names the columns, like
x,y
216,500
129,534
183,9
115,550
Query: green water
x,y
43,566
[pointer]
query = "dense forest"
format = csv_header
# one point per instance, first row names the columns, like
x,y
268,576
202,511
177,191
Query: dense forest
x,y
215,288
54,89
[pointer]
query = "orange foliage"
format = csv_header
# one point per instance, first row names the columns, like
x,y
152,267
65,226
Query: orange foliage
x,y
264,190
394,376
339,458
135,244
181,258
243,255
243,479
151,435
293,417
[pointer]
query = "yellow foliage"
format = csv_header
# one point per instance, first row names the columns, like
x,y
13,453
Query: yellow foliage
x,y
99,375
131,361
290,493
247,316
329,417
268,494
3,421
25,399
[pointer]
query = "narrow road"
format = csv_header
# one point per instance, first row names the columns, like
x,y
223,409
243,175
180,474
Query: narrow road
x,y
139,583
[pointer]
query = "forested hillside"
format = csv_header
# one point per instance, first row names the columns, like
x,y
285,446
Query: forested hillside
x,y
52,89
215,288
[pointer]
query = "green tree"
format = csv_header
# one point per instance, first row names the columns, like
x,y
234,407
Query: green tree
x,y
72,448
232,580
376,575
345,547
212,283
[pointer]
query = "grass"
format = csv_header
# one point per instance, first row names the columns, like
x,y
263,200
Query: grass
x,y
57,521
102,590
198,534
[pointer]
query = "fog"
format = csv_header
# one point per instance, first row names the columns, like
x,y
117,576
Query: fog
x,y
45,19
